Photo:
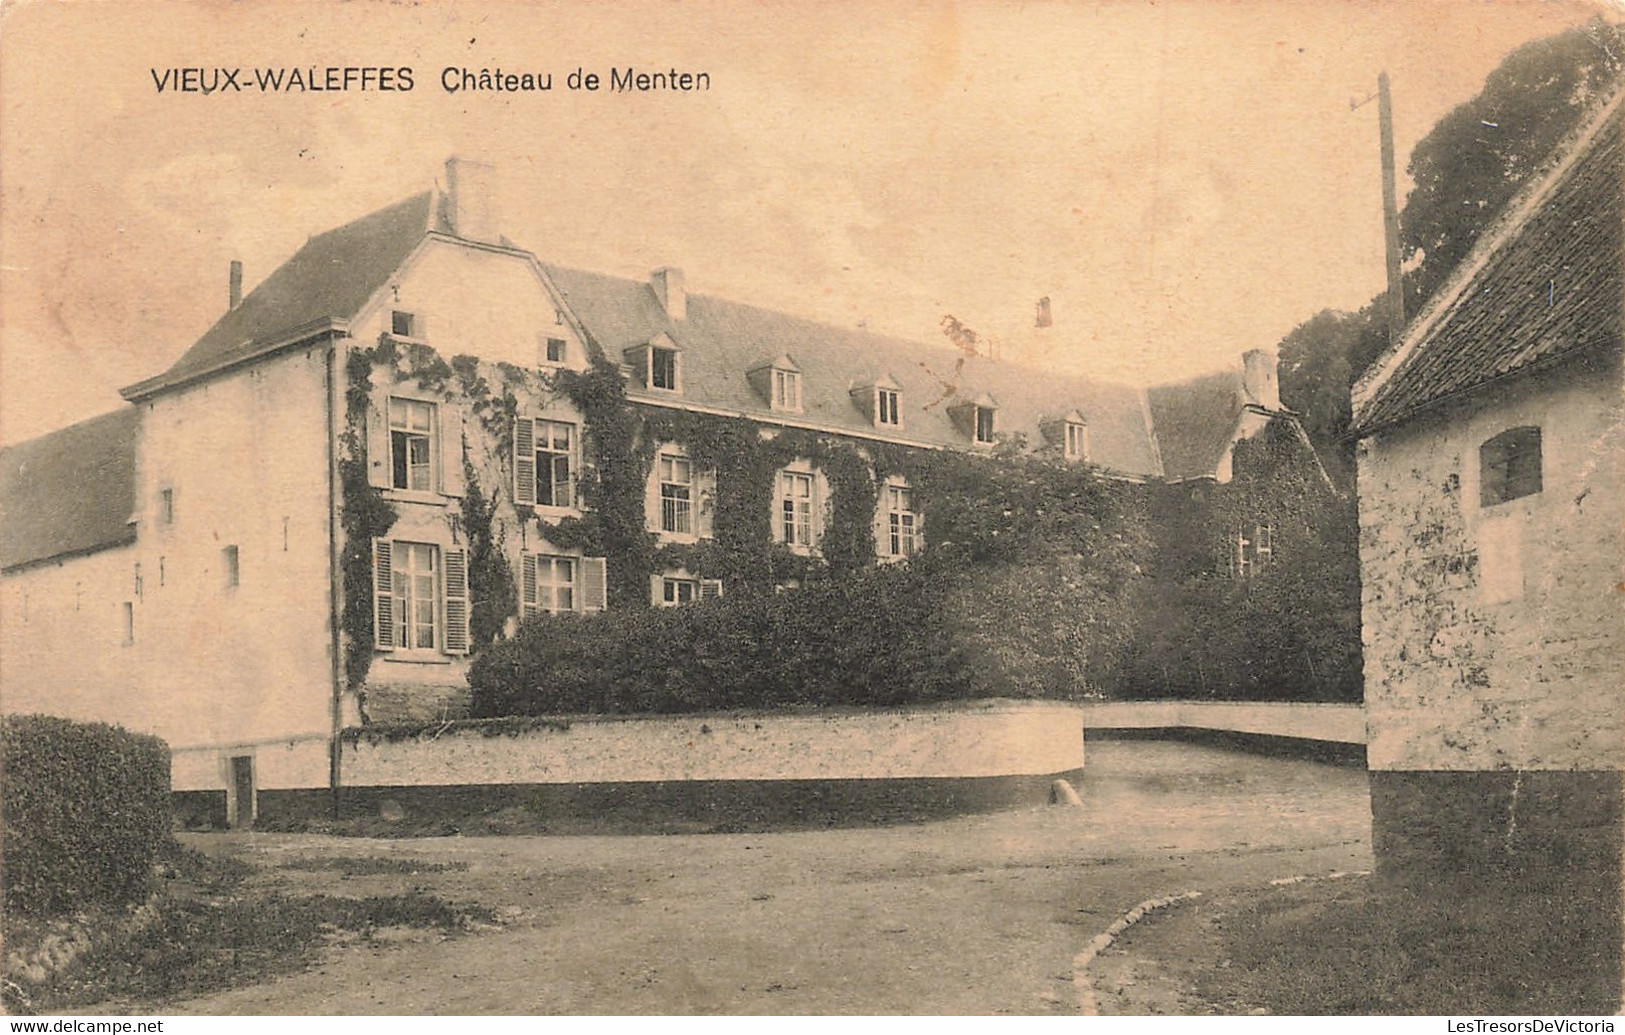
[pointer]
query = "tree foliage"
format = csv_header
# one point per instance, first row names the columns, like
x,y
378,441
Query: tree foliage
x,y
1465,171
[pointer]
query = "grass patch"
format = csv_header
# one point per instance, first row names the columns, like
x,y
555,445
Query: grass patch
x,y
358,866
1489,946
214,932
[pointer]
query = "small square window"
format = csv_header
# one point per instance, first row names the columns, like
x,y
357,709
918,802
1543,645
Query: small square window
x,y
1509,466
403,324
553,350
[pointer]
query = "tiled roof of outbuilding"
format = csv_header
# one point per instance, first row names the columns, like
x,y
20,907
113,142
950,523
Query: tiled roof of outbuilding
x,y
69,492
1549,284
721,340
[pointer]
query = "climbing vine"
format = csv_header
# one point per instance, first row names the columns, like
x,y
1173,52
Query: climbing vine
x,y
364,516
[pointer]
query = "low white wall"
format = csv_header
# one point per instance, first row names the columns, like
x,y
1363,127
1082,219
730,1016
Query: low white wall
x,y
1340,723
975,739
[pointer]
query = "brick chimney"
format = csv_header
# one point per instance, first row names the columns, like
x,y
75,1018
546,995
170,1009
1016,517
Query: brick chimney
x,y
471,197
236,291
1259,378
1044,318
668,284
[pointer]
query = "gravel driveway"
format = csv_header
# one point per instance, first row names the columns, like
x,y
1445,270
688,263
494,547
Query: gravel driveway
x,y
978,915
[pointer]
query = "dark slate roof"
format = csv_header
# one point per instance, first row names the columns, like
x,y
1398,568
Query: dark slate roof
x,y
1195,422
330,278
69,492
1549,287
722,340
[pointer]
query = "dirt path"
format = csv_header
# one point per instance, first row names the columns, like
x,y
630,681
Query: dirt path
x,y
977,915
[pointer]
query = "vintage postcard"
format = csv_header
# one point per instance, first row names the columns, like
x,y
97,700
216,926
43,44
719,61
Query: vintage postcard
x,y
974,507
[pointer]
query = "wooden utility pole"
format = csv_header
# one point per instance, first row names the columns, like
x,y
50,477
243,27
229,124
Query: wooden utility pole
x,y
1390,212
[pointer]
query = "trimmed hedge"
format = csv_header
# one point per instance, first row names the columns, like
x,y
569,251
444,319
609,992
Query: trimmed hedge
x,y
874,638
86,811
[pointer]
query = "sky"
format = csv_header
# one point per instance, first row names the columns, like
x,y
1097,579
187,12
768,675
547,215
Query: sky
x,y
1185,180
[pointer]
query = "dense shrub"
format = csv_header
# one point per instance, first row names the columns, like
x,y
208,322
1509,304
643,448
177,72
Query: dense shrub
x,y
86,811
874,638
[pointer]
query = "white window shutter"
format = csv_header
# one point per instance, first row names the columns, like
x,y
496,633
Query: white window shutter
x,y
455,588
710,589
377,460
657,591
594,584
524,461
383,599
451,450
527,585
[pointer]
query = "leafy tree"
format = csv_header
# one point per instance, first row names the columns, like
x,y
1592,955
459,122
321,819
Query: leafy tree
x,y
1475,158
1465,171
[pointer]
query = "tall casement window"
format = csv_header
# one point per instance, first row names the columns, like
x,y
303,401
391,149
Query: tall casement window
x,y
676,476
411,444
901,537
551,584
796,509
984,424
544,462
421,597
663,368
887,414
1509,466
1253,546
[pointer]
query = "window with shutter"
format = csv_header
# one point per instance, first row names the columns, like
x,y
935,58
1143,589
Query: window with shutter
x,y
455,585
415,596
549,584
594,584
555,452
524,461
383,601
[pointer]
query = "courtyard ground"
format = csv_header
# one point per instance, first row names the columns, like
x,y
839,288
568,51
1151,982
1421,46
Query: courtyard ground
x,y
976,915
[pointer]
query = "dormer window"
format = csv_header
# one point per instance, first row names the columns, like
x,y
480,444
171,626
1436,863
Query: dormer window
x,y
663,368
881,401
657,365
976,418
887,413
1077,440
779,382
984,424
786,390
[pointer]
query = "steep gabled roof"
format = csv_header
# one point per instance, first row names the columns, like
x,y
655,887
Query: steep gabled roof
x,y
721,340
1195,422
1542,284
69,492
330,278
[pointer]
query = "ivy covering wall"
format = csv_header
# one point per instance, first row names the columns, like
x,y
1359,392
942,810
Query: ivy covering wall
x,y
1038,578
